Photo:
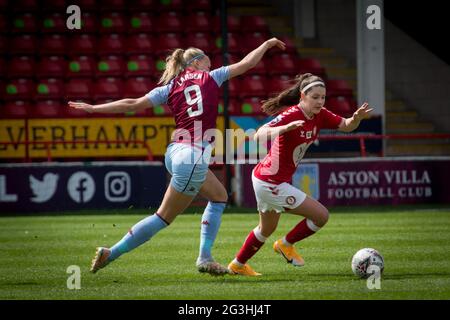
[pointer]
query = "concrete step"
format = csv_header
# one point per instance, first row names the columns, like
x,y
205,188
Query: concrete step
x,y
401,116
413,127
341,73
418,150
395,105
333,62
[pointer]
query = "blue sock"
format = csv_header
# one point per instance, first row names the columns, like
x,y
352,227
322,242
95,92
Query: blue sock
x,y
138,234
210,227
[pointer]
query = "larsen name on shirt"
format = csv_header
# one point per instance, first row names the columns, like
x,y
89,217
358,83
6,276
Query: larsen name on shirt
x,y
189,76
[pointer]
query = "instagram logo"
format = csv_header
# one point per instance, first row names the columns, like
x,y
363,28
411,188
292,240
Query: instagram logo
x,y
117,186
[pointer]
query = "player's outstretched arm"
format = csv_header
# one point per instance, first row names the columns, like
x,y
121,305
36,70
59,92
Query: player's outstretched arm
x,y
252,59
350,124
119,106
272,132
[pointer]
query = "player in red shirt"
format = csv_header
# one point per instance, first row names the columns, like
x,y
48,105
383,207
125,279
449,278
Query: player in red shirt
x,y
293,130
191,91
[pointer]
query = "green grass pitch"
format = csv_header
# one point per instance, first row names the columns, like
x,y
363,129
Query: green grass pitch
x,y
37,250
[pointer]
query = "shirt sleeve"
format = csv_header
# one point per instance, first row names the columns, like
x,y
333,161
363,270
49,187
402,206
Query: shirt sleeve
x,y
220,75
330,120
159,95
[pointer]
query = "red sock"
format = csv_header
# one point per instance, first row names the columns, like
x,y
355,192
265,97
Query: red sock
x,y
299,232
249,248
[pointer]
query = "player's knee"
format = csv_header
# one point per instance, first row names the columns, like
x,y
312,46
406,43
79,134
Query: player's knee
x,y
322,218
220,196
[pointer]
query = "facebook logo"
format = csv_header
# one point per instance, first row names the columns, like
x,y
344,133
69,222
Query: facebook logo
x,y
81,187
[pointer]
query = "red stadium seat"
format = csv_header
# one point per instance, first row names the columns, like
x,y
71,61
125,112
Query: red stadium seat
x,y
338,87
111,44
198,5
78,89
112,22
51,67
253,40
138,87
87,5
283,64
254,24
340,105
110,66
3,44
82,45
233,107
18,89
54,23
55,5
167,42
53,45
143,5
22,45
47,89
108,88
24,23
251,106
14,109
21,67
3,24
200,40
198,22
2,67
234,44
141,22
311,65
253,86
113,5
25,6
82,66
277,84
290,47
260,68
233,24
217,60
234,87
140,66
170,5
170,22
139,44
47,109
88,23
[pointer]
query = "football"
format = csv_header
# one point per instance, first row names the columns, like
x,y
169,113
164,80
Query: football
x,y
364,259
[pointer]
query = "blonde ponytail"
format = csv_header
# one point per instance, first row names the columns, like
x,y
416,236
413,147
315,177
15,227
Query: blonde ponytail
x,y
176,62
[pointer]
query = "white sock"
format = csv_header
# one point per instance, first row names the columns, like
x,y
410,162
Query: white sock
x,y
259,235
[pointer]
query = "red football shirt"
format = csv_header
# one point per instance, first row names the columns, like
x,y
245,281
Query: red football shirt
x,y
289,148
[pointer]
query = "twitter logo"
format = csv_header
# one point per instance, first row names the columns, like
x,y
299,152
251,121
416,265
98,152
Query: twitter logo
x,y
45,189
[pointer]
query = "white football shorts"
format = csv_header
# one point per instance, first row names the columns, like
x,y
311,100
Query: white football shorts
x,y
276,197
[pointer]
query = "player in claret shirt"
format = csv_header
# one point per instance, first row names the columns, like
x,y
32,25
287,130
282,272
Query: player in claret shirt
x,y
293,130
191,91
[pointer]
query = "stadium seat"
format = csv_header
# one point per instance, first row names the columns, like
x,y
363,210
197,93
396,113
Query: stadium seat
x,y
141,22
338,87
198,5
112,22
311,65
253,86
51,67
140,66
47,109
54,23
3,45
137,87
253,40
233,24
52,45
251,106
234,44
112,5
110,66
201,40
82,66
23,23
25,6
139,44
55,5
170,5
233,107
47,89
88,23
217,60
254,24
290,47
14,109
21,67
108,88
83,44
277,84
22,45
18,89
2,67
88,5
170,22
283,64
260,68
4,28
198,22
78,89
111,44
234,87
340,105
167,42
142,5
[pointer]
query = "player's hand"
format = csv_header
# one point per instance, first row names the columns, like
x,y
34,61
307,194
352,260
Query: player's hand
x,y
294,125
275,42
363,112
81,105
